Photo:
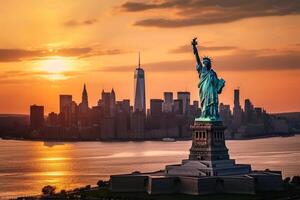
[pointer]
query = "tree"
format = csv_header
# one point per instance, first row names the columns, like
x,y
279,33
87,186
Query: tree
x,y
287,180
48,190
101,183
296,180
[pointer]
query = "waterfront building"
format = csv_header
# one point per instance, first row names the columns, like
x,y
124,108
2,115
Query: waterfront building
x,y
237,110
139,89
185,98
96,114
137,125
178,107
105,103
126,106
52,119
225,113
112,105
107,126
194,109
84,105
121,126
156,107
83,109
65,110
36,117
248,109
74,114
168,102
64,101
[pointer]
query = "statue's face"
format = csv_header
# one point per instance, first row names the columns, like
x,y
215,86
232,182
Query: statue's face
x,y
207,63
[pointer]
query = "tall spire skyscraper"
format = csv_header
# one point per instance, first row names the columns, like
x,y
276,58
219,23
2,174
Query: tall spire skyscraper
x,y
84,98
139,89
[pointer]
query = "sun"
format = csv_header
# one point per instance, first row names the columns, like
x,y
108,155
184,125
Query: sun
x,y
56,65
54,68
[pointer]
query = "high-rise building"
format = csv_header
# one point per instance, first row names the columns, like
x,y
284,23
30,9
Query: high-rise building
x,y
237,110
84,98
168,102
139,89
225,113
36,117
248,107
108,103
112,103
137,125
105,103
64,101
52,119
185,97
177,107
194,109
83,109
126,106
236,98
156,107
123,106
196,104
65,110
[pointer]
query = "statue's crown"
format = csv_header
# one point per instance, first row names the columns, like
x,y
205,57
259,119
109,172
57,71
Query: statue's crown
x,y
207,58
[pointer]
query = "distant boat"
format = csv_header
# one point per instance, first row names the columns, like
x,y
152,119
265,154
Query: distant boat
x,y
168,140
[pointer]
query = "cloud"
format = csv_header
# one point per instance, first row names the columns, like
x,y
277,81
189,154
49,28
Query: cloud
x,y
14,55
22,76
138,6
75,23
8,55
188,48
239,60
203,12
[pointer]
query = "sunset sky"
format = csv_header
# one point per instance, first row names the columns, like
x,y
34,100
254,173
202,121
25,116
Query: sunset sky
x,y
53,47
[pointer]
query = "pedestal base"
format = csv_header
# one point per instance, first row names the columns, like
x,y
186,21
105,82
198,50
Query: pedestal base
x,y
198,168
208,154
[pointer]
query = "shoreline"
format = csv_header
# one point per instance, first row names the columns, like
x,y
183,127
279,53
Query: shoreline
x,y
141,140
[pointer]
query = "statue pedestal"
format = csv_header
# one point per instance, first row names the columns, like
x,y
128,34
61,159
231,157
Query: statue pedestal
x,y
208,154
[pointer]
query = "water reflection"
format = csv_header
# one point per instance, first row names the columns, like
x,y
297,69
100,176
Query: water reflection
x,y
53,165
25,167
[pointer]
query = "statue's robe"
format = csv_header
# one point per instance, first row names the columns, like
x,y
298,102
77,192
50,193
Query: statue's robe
x,y
209,88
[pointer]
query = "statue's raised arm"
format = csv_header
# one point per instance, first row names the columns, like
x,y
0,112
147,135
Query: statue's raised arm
x,y
199,64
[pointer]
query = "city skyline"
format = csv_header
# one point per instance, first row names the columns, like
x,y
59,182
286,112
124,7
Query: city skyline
x,y
51,47
152,99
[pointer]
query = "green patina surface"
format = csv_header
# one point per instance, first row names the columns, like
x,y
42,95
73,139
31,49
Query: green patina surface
x,y
210,86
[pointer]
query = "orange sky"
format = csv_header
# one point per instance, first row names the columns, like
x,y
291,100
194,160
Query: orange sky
x,y
52,47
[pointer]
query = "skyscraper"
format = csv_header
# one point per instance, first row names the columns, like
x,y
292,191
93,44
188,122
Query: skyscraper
x,y
112,103
65,110
156,107
84,98
237,110
168,102
36,116
64,101
177,107
83,109
237,98
185,97
84,105
105,103
139,89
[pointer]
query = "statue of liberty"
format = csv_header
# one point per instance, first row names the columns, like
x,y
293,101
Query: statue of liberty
x,y
209,87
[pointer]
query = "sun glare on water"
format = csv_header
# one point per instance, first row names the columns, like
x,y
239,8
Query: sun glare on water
x,y
55,68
